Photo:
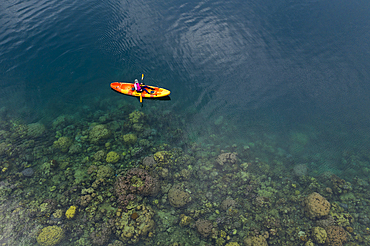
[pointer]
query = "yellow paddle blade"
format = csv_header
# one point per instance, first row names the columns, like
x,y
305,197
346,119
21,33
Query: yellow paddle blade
x,y
142,76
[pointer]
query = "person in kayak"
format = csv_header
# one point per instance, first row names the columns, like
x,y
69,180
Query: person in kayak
x,y
140,87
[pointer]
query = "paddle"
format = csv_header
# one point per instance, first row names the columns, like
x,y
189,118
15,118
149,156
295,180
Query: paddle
x,y
141,94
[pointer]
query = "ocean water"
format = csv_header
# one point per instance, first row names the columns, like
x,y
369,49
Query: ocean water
x,y
288,81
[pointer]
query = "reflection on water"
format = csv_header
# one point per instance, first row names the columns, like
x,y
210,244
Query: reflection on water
x,y
264,141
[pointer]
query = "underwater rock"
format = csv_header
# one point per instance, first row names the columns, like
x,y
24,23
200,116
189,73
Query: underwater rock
x,y
149,161
300,170
316,206
28,172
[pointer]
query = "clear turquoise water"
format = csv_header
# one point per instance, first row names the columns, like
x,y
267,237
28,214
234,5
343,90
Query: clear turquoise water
x,y
282,66
293,75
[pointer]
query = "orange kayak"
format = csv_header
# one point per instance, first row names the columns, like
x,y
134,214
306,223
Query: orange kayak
x,y
129,89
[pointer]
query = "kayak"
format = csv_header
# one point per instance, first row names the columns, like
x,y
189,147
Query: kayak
x,y
129,89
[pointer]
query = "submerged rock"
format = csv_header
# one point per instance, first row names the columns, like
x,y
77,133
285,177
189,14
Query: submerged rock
x,y
28,172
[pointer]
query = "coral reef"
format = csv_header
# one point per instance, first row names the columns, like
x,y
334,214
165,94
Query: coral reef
x,y
104,172
226,159
232,244
203,195
163,158
316,206
137,121
85,200
63,144
99,133
336,236
99,155
177,197
71,212
132,230
204,227
35,130
50,236
100,236
136,181
149,161
227,203
112,157
185,220
130,139
319,234
259,240
300,170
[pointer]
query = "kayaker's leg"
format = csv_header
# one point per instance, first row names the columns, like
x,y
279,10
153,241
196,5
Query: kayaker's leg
x,y
145,90
147,87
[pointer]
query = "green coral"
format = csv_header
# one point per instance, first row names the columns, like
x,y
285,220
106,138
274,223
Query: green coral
x,y
340,217
50,236
63,143
104,172
137,120
98,133
112,157
35,130
130,139
163,158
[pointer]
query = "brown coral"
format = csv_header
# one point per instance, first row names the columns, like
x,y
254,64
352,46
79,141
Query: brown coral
x,y
136,181
226,158
329,221
336,236
178,198
84,200
316,206
227,203
204,227
259,240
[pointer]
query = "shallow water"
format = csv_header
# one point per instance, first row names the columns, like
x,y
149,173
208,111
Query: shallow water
x,y
288,81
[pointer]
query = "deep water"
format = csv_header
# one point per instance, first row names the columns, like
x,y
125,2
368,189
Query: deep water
x,y
288,81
